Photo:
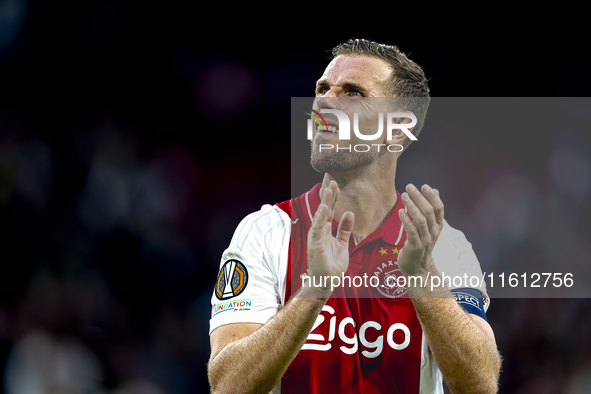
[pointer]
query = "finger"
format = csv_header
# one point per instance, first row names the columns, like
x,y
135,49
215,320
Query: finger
x,y
346,227
334,187
423,204
418,219
329,196
412,233
432,195
319,222
327,199
327,229
337,192
326,196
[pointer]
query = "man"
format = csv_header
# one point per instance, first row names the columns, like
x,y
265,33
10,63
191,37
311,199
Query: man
x,y
398,339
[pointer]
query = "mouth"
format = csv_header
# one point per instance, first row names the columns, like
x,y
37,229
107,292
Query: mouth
x,y
331,129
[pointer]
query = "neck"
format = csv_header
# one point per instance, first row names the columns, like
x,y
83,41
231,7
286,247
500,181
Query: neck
x,y
370,193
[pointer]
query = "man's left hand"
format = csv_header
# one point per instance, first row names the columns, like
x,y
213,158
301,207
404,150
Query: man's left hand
x,y
423,224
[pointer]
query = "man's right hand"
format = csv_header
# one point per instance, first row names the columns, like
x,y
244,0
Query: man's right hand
x,y
328,255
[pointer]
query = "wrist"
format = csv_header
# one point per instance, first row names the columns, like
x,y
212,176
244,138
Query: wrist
x,y
427,268
426,282
319,293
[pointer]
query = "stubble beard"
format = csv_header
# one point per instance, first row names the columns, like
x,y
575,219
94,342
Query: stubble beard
x,y
333,162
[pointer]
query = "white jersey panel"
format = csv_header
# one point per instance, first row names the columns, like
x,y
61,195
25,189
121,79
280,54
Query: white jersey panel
x,y
431,378
454,257
260,246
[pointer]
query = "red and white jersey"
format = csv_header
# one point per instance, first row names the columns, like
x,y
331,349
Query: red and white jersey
x,y
361,342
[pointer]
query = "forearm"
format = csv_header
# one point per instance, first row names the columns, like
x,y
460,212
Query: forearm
x,y
466,355
261,358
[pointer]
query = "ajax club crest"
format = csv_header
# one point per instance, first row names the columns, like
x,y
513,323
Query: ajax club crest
x,y
232,280
387,272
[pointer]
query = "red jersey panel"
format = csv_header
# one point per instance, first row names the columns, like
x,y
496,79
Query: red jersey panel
x,y
367,339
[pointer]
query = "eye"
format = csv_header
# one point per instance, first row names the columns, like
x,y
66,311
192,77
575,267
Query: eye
x,y
355,92
320,90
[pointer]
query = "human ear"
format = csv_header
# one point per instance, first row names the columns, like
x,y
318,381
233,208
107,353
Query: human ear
x,y
399,134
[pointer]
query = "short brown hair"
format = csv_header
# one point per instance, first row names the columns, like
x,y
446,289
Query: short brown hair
x,y
408,79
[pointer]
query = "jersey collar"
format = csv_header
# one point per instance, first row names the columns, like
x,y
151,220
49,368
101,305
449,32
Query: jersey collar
x,y
390,231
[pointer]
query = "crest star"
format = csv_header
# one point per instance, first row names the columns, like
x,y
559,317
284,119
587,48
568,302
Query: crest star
x,y
383,251
395,251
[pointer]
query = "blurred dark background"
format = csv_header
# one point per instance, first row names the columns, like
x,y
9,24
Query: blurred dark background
x,y
134,138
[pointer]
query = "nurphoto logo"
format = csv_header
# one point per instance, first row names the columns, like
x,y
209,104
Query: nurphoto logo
x,y
344,129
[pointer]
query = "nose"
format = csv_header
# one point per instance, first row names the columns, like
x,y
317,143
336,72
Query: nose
x,y
327,100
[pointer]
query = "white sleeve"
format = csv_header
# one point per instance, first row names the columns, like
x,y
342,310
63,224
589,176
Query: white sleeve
x,y
250,285
453,256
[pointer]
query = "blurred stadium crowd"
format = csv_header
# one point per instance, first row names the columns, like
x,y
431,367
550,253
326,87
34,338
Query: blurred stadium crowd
x,y
131,147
